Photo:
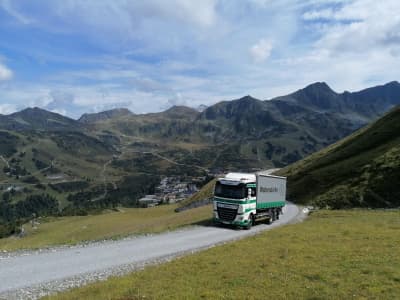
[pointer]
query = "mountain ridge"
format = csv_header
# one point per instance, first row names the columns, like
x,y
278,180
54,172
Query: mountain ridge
x,y
271,132
104,115
314,90
40,119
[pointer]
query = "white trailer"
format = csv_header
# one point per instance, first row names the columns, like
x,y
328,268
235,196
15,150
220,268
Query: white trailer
x,y
271,196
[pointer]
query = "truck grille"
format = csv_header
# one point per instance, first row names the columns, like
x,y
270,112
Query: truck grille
x,y
226,214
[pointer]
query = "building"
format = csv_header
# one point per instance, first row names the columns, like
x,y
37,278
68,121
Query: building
x,y
149,201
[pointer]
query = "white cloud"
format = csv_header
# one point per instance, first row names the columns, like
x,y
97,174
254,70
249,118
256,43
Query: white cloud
x,y
318,14
147,55
261,50
359,26
5,73
59,111
7,108
8,7
177,100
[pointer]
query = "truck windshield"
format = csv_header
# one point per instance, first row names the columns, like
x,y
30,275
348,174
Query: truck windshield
x,y
230,191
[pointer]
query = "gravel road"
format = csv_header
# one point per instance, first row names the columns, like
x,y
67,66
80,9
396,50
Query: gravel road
x,y
29,275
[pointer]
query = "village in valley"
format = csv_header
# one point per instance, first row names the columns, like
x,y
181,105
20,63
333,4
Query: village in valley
x,y
173,189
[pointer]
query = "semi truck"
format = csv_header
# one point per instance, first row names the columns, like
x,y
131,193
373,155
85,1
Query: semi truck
x,y
242,199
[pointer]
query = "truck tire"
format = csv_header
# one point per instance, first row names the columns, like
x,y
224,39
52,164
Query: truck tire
x,y
277,214
272,216
251,221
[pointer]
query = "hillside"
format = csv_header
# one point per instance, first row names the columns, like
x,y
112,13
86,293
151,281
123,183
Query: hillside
x,y
362,170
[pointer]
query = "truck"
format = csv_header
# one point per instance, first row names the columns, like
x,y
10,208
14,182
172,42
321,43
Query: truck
x,y
242,199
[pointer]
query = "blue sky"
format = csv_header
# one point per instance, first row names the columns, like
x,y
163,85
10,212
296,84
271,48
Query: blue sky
x,y
76,56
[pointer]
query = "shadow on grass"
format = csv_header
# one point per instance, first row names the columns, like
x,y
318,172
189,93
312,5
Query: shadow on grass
x,y
205,223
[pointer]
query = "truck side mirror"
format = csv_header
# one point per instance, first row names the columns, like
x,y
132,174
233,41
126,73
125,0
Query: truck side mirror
x,y
249,193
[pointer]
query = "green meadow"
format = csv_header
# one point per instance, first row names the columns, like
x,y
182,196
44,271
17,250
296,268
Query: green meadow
x,y
348,254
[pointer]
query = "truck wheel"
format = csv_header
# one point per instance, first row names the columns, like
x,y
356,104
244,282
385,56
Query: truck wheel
x,y
272,216
251,221
277,215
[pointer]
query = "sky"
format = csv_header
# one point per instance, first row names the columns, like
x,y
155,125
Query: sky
x,y
74,57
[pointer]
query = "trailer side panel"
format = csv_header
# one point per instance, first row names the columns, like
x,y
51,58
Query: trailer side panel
x,y
271,191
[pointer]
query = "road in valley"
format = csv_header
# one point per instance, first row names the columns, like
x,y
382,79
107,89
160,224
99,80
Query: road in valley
x,y
29,275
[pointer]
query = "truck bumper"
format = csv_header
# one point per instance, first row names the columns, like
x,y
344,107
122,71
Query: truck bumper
x,y
234,222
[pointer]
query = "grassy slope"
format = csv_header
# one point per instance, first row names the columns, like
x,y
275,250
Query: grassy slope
x,y
360,170
75,166
71,230
205,192
331,255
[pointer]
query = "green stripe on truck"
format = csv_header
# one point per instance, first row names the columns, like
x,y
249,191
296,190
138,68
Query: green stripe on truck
x,y
271,204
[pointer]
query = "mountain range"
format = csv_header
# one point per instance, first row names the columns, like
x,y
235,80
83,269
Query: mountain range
x,y
272,132
114,157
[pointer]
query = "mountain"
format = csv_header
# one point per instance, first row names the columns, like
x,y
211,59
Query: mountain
x,y
318,96
39,119
105,115
359,106
362,170
181,112
201,107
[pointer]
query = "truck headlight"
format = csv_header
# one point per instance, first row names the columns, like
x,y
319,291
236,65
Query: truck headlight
x,y
240,209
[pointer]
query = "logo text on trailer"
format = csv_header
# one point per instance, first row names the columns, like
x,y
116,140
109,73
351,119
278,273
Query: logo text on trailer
x,y
272,189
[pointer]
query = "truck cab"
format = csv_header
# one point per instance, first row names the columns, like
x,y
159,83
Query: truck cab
x,y
235,199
